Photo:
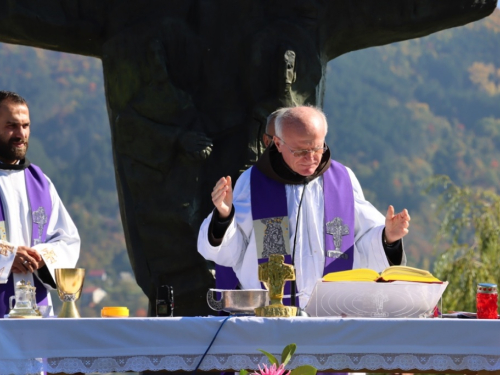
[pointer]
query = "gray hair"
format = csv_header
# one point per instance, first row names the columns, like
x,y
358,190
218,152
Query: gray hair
x,y
287,114
271,119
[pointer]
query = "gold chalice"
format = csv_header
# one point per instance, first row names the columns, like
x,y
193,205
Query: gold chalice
x,y
69,287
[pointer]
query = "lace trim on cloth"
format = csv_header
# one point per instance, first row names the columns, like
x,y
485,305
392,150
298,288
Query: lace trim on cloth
x,y
354,362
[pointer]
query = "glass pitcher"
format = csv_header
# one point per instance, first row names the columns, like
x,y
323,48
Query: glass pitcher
x,y
25,301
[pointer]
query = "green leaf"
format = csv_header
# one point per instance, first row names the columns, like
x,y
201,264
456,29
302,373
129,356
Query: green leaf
x,y
243,372
304,370
287,353
271,357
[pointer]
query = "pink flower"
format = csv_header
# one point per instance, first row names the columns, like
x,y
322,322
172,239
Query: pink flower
x,y
272,370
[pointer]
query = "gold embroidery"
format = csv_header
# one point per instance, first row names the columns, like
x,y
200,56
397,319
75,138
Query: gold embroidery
x,y
3,232
49,256
6,248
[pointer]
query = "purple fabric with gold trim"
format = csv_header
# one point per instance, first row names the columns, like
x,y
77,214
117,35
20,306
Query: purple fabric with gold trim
x,y
268,199
37,188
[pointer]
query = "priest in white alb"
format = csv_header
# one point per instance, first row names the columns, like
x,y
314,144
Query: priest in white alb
x,y
298,202
37,234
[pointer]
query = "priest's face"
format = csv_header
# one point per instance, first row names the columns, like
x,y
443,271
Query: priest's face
x,y
14,131
302,141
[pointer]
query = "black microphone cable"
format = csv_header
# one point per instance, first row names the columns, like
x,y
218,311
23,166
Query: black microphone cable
x,y
293,285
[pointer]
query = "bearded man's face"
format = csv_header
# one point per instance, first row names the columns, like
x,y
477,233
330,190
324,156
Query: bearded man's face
x,y
14,131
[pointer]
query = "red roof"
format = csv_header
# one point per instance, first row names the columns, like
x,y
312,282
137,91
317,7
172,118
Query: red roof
x,y
96,273
89,289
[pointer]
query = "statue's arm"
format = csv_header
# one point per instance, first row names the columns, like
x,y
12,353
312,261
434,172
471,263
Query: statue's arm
x,y
357,24
74,26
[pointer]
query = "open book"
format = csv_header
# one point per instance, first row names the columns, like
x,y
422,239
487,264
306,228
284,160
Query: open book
x,y
394,273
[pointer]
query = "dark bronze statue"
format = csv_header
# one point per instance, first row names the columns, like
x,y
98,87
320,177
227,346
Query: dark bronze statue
x,y
189,84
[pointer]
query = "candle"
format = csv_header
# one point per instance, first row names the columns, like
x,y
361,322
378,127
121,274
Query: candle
x,y
486,301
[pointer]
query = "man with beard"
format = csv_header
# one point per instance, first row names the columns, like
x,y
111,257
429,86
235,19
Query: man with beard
x,y
36,233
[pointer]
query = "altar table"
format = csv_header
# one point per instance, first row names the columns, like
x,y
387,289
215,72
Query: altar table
x,y
136,344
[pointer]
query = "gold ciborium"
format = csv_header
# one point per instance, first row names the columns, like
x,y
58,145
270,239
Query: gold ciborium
x,y
69,287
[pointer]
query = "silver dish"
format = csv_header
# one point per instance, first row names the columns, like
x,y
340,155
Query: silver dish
x,y
238,301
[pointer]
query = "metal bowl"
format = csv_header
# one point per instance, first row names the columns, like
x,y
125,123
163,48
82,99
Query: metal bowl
x,y
237,301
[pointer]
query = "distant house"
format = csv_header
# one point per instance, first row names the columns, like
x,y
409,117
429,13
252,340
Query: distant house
x,y
92,295
96,275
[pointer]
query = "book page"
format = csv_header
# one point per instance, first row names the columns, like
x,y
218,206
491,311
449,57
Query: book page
x,y
402,273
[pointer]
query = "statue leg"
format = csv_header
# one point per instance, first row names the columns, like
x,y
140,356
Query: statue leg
x,y
159,198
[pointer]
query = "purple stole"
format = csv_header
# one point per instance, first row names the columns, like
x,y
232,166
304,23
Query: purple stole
x,y
37,188
268,199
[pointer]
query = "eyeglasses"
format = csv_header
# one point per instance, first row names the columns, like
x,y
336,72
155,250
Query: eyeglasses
x,y
302,153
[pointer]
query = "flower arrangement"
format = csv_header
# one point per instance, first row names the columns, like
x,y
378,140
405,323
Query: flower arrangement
x,y
278,368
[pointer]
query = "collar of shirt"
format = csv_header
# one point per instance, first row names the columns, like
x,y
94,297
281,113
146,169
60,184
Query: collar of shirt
x,y
19,166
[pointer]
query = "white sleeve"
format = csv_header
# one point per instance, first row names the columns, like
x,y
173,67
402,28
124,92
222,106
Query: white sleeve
x,y
368,226
7,256
234,244
62,245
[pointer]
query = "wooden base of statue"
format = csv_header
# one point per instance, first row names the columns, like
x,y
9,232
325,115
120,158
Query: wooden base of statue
x,y
276,311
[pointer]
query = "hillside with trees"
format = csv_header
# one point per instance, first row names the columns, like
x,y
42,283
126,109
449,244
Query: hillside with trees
x,y
398,115
402,113
71,141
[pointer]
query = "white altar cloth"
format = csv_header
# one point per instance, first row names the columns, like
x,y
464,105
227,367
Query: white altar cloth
x,y
136,344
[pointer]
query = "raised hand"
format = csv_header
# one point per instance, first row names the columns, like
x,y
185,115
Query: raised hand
x,y
396,225
222,197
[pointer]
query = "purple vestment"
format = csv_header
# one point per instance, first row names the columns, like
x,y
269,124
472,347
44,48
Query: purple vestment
x,y
268,198
37,188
